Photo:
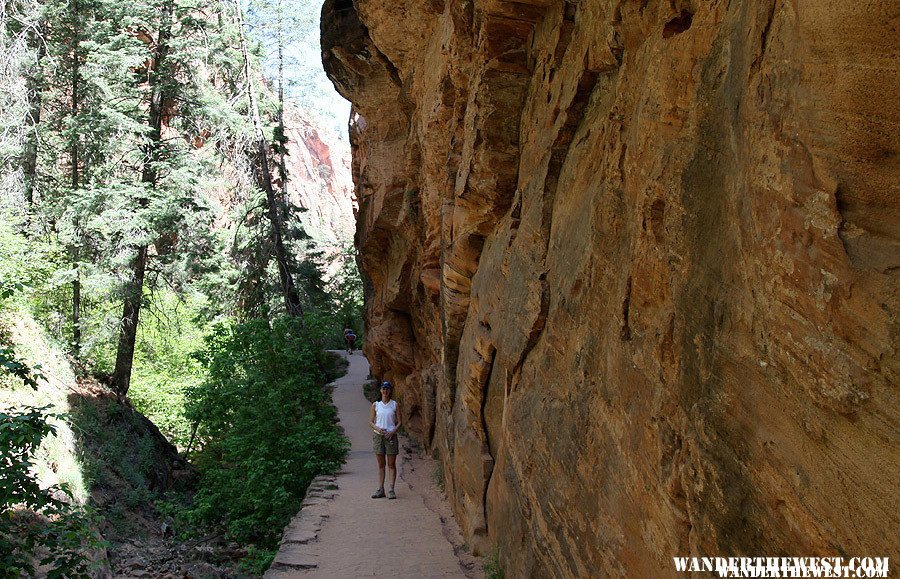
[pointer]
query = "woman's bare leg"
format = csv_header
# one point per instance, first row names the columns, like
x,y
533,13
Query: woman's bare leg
x,y
392,467
380,458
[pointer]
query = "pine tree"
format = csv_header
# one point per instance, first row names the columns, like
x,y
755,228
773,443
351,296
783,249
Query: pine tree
x,y
34,88
292,301
159,91
67,24
169,207
19,80
87,107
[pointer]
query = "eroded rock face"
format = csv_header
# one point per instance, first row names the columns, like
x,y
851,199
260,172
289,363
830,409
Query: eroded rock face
x,y
634,265
318,166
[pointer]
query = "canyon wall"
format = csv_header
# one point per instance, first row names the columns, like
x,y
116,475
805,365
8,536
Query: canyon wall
x,y
319,181
633,265
318,166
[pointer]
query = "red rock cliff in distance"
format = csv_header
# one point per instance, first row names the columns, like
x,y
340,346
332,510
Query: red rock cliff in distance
x,y
634,267
318,165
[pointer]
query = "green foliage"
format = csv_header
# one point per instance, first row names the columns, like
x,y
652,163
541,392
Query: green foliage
x,y
335,366
346,293
36,527
118,451
27,266
493,569
258,560
164,367
11,364
20,435
265,425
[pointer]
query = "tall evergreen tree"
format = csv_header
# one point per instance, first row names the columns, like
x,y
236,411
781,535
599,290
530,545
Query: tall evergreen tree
x,y
159,89
19,77
169,209
67,24
34,88
292,302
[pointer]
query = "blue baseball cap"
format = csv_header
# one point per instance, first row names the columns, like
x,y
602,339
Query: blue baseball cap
x,y
386,384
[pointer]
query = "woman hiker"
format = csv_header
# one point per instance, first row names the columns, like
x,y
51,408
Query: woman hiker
x,y
384,419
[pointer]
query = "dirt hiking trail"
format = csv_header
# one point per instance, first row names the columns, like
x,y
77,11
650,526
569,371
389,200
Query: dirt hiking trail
x,y
342,532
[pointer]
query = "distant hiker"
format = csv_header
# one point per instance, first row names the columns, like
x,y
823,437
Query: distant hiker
x,y
349,339
384,419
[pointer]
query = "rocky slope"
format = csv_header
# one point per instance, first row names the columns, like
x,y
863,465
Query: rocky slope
x,y
633,265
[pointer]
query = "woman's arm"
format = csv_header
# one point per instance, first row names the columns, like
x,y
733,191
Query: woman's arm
x,y
372,420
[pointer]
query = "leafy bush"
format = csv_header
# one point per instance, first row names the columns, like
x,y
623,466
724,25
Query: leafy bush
x,y
265,427
171,330
25,264
258,560
493,569
36,525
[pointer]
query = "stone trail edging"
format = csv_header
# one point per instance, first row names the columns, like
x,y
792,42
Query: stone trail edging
x,y
303,529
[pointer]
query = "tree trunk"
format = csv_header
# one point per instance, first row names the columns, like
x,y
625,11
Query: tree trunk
x,y
76,312
264,177
282,144
130,314
134,290
74,182
34,88
291,297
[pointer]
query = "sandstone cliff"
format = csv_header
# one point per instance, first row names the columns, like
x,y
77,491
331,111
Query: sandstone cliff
x,y
634,267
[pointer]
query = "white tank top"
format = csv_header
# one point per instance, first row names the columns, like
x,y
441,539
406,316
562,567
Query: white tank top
x,y
384,414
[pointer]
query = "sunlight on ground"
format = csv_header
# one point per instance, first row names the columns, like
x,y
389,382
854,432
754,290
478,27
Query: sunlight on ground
x,y
58,459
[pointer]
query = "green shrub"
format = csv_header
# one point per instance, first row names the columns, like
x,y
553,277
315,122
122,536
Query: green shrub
x,y
164,366
265,427
258,560
25,265
493,569
35,525
335,366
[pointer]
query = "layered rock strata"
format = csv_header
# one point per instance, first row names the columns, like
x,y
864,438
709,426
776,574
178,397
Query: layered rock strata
x,y
633,265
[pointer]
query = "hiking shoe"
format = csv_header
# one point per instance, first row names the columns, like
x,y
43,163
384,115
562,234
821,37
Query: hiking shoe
x,y
379,494
391,494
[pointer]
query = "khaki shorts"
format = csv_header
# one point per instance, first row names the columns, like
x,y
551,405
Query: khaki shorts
x,y
383,445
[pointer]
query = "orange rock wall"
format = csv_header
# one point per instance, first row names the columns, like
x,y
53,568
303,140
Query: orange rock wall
x,y
633,265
